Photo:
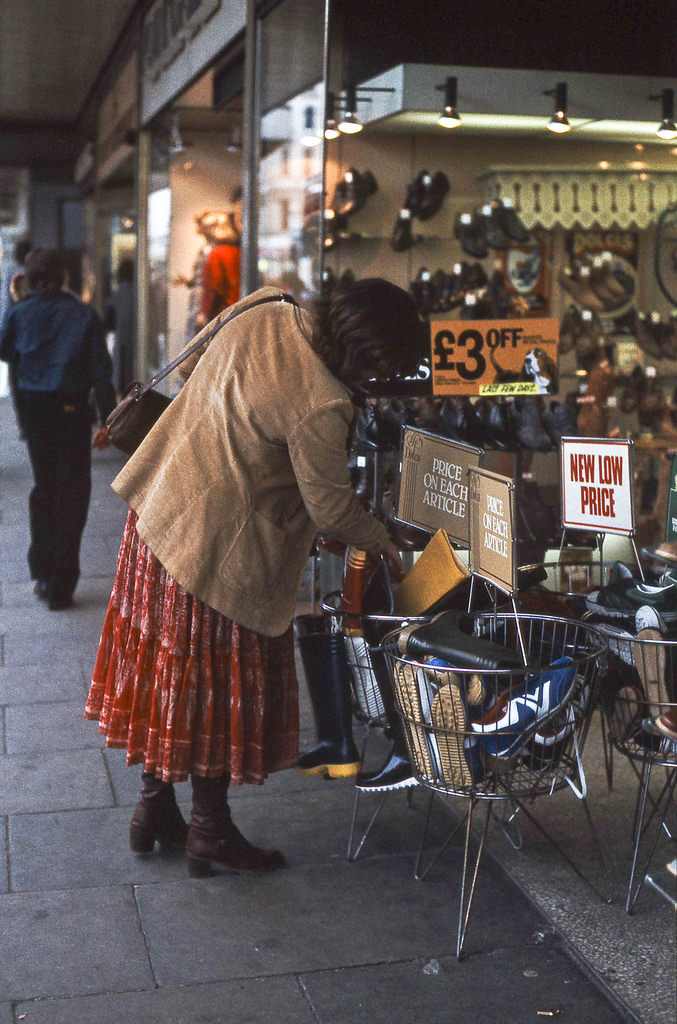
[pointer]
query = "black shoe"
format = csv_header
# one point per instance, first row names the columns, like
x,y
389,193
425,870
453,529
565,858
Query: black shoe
x,y
396,773
433,191
403,237
491,232
510,223
40,590
468,233
59,604
559,421
530,431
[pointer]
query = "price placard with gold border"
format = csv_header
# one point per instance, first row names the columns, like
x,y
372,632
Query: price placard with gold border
x,y
434,483
492,529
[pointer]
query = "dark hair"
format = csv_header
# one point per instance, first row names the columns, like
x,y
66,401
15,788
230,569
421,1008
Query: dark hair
x,y
125,270
369,328
45,270
21,250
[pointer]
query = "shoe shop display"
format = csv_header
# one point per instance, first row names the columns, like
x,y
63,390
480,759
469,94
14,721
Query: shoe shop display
x,y
469,234
508,221
352,192
430,194
403,236
490,229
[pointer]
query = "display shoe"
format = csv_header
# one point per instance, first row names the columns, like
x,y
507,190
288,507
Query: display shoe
x,y
588,336
493,235
414,193
396,772
450,747
493,417
509,222
213,837
473,276
438,280
433,190
601,286
156,818
468,233
402,237
454,419
579,288
449,636
346,193
568,329
559,421
422,291
647,332
530,431
326,670
632,392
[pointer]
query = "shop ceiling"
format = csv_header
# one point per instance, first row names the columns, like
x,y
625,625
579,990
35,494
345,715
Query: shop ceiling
x,y
51,52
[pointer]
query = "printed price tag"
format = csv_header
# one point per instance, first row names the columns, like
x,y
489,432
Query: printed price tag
x,y
597,485
492,529
434,483
474,357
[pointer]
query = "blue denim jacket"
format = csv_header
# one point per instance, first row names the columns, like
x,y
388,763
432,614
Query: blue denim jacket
x,y
57,344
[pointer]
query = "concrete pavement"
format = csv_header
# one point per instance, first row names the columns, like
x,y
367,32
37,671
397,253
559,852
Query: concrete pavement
x,y
91,933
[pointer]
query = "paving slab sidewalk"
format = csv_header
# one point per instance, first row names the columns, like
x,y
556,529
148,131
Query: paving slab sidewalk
x,y
91,933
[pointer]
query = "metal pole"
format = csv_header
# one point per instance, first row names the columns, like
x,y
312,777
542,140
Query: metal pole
x,y
250,149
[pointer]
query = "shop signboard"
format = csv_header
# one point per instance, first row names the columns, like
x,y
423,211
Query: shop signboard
x,y
434,483
597,485
492,529
495,357
671,523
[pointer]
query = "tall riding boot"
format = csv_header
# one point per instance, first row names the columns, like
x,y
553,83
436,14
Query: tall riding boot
x,y
156,817
326,670
396,772
213,836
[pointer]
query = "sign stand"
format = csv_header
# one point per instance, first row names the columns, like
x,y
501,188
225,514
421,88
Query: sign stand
x,y
598,494
493,538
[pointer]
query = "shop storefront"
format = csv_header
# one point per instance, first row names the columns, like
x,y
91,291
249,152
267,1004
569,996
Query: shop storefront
x,y
514,220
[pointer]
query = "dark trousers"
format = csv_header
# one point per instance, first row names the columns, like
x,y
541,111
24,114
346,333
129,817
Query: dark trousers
x,y
57,427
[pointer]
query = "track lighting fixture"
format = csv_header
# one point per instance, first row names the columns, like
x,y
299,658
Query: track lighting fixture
x,y
450,117
350,123
559,123
309,137
330,127
667,129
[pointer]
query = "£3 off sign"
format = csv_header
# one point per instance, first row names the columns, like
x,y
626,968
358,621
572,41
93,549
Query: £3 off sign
x,y
597,485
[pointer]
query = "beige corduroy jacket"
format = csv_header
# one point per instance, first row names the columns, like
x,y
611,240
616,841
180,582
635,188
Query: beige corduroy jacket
x,y
247,463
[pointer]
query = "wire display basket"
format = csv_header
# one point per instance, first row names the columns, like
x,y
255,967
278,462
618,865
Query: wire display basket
x,y
366,662
505,733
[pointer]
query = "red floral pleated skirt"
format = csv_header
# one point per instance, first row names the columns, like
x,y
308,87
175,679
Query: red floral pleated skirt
x,y
184,689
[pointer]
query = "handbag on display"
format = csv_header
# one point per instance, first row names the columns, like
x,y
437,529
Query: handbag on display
x,y
141,406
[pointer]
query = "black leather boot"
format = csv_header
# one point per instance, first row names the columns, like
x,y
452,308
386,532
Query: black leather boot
x,y
156,818
396,771
326,670
450,636
214,837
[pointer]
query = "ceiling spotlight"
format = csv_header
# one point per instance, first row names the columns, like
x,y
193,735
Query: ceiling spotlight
x,y
559,123
350,123
450,117
330,127
667,129
309,137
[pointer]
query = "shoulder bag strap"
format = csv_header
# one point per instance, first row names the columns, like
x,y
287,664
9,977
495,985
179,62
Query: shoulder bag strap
x,y
161,374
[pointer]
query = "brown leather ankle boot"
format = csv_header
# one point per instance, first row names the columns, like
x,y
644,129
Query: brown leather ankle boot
x,y
156,818
213,836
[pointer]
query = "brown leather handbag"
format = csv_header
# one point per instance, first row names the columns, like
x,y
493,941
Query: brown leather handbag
x,y
141,406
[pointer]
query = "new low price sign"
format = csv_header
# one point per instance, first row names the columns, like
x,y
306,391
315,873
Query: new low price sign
x,y
597,485
495,357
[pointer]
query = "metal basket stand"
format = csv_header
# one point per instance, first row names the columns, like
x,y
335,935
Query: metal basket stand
x,y
640,690
456,749
367,669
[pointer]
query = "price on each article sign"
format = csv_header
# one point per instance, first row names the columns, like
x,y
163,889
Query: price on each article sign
x,y
494,357
597,485
492,529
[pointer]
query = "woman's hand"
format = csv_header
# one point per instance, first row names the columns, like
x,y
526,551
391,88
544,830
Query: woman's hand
x,y
100,441
392,557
